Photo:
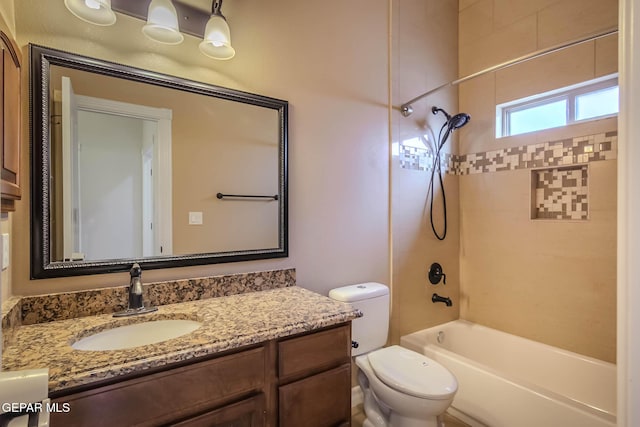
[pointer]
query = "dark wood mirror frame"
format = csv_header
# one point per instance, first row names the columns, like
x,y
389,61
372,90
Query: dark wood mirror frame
x,y
41,58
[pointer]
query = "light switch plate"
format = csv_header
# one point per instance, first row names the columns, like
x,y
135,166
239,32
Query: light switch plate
x,y
195,218
5,251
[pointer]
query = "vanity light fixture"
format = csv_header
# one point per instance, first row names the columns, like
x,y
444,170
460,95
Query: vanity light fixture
x,y
162,23
97,12
166,21
216,43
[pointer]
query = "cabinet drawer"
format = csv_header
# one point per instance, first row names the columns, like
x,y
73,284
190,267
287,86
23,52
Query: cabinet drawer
x,y
165,396
303,356
248,413
318,401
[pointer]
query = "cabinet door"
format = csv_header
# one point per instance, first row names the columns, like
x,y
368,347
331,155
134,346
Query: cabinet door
x,y
248,413
322,400
11,122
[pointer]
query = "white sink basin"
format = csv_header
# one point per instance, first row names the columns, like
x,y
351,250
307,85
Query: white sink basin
x,y
136,335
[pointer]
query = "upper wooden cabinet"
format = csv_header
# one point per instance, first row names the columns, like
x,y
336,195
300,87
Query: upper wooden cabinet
x,y
10,122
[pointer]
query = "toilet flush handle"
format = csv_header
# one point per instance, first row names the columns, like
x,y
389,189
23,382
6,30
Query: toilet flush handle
x,y
354,344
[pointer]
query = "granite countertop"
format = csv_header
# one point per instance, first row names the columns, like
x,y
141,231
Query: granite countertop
x,y
229,322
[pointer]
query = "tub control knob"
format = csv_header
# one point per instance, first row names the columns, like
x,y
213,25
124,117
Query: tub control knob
x,y
436,274
354,344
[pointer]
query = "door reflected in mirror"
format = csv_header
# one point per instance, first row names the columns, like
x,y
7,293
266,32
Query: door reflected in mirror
x,y
107,201
134,162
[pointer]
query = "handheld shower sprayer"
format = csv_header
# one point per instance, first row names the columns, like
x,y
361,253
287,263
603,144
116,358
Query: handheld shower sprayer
x,y
459,120
453,123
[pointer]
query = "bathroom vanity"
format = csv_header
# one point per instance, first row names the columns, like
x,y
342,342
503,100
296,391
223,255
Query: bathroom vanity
x,y
280,357
303,380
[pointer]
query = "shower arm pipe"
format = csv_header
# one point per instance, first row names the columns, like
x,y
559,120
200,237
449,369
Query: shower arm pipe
x,y
406,109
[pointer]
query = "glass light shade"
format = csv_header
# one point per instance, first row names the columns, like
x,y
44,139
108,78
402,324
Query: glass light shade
x,y
97,12
217,39
162,23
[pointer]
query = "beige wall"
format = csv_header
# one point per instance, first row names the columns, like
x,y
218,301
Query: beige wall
x,y
5,280
7,20
424,57
338,133
552,281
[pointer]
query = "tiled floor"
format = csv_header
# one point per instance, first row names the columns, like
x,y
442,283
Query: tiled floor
x,y
357,418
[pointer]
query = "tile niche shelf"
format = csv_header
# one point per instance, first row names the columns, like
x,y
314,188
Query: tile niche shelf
x,y
560,193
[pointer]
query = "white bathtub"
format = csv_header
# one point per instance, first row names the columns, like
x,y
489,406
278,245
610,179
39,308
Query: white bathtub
x,y
509,381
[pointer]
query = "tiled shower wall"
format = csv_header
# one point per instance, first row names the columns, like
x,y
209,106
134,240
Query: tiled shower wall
x,y
560,190
547,280
422,30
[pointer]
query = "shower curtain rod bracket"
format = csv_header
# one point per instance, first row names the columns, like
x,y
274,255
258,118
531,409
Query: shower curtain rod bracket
x,y
406,110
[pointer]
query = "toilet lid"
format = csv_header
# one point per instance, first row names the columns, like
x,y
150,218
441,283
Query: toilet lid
x,y
412,373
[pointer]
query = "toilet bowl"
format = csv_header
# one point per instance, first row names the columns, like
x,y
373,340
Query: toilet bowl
x,y
411,389
401,388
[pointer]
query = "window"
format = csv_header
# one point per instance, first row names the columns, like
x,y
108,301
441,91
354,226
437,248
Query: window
x,y
586,101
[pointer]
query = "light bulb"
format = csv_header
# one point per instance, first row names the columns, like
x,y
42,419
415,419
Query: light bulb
x,y
97,12
162,23
217,39
92,4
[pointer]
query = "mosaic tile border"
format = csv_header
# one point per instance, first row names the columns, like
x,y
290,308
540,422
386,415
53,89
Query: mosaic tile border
x,y
560,193
421,159
570,151
70,305
565,152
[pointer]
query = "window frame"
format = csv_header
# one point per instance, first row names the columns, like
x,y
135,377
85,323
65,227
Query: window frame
x,y
569,94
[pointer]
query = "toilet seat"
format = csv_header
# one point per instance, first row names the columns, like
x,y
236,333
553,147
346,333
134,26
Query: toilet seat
x,y
412,373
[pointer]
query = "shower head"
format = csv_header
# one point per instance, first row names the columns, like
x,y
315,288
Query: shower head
x,y
459,120
453,122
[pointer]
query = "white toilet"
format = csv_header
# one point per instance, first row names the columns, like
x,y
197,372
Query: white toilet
x,y
401,388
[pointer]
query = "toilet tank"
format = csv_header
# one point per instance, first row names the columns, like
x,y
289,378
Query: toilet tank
x,y
372,299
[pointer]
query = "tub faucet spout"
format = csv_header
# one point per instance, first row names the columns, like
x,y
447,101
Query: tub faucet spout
x,y
437,298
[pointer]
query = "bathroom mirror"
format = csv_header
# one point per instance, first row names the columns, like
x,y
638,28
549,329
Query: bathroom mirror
x,y
129,165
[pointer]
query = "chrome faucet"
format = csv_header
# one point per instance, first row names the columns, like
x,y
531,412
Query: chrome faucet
x,y
136,304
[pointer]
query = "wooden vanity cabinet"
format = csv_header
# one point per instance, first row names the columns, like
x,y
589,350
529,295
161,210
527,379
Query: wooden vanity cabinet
x,y
304,380
247,413
173,396
9,122
315,379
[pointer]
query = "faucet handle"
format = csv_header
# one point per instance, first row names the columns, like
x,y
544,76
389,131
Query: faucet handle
x,y
436,273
